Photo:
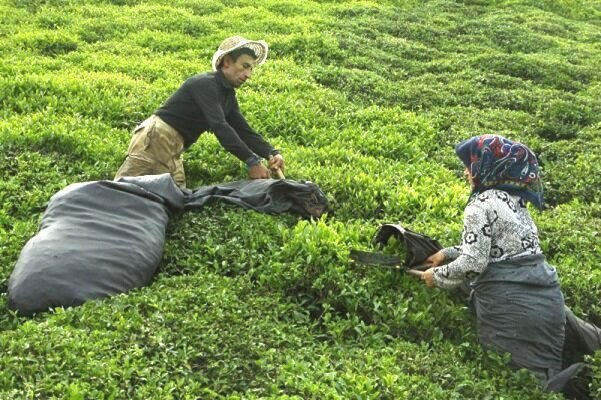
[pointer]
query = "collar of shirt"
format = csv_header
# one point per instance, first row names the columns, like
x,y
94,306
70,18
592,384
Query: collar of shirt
x,y
221,79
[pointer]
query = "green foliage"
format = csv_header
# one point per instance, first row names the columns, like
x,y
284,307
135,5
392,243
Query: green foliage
x,y
570,171
48,43
365,98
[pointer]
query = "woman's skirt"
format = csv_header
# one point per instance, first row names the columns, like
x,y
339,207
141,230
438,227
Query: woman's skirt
x,y
520,310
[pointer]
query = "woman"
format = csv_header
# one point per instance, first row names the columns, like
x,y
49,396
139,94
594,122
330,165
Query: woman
x,y
515,294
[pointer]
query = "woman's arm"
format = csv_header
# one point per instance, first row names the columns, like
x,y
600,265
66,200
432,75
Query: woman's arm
x,y
474,254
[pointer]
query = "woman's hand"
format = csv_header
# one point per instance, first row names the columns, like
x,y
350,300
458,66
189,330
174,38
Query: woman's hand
x,y
428,278
435,259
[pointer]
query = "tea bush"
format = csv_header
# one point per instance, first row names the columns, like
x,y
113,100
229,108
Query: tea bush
x,y
367,99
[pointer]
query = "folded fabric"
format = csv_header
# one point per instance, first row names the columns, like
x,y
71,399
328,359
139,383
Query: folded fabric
x,y
272,196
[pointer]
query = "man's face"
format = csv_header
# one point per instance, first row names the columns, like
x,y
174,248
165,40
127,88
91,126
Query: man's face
x,y
237,72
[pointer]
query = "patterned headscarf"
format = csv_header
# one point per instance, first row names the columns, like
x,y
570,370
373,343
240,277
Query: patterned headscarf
x,y
496,162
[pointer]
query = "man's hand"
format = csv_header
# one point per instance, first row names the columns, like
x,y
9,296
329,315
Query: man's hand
x,y
258,171
276,162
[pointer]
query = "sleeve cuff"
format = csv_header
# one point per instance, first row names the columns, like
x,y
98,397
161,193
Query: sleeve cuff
x,y
274,152
451,253
253,160
445,283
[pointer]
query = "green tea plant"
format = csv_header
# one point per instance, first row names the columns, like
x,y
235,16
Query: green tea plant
x,y
366,99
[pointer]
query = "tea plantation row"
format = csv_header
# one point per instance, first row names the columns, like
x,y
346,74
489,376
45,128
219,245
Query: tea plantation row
x,y
366,99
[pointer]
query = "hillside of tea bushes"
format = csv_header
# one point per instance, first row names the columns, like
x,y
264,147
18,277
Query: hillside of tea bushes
x,y
365,98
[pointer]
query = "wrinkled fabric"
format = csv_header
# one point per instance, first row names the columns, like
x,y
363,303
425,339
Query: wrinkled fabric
x,y
272,196
561,381
418,247
520,310
582,338
95,239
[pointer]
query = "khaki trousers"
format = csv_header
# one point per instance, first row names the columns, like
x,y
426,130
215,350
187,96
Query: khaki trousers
x,y
155,148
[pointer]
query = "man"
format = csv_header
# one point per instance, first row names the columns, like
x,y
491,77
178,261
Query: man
x,y
204,102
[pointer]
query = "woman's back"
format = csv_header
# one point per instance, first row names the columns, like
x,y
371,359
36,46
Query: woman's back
x,y
503,218
496,227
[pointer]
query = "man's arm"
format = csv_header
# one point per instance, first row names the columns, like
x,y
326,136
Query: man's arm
x,y
252,139
255,141
206,96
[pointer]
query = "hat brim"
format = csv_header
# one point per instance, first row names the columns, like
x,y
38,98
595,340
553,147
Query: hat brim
x,y
259,47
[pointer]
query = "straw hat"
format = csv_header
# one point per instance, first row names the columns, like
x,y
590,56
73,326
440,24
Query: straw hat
x,y
259,47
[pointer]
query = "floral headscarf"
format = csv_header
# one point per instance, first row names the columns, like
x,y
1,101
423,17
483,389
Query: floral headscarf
x,y
496,162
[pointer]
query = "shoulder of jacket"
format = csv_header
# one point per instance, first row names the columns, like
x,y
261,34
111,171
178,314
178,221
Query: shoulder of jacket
x,y
203,78
484,201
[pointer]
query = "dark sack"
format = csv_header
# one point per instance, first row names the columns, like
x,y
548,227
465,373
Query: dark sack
x,y
95,239
418,246
272,196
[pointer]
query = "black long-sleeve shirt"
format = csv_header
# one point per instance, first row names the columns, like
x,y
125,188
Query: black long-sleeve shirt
x,y
207,102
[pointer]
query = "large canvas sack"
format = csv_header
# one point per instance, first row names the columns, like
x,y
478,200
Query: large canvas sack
x,y
95,239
